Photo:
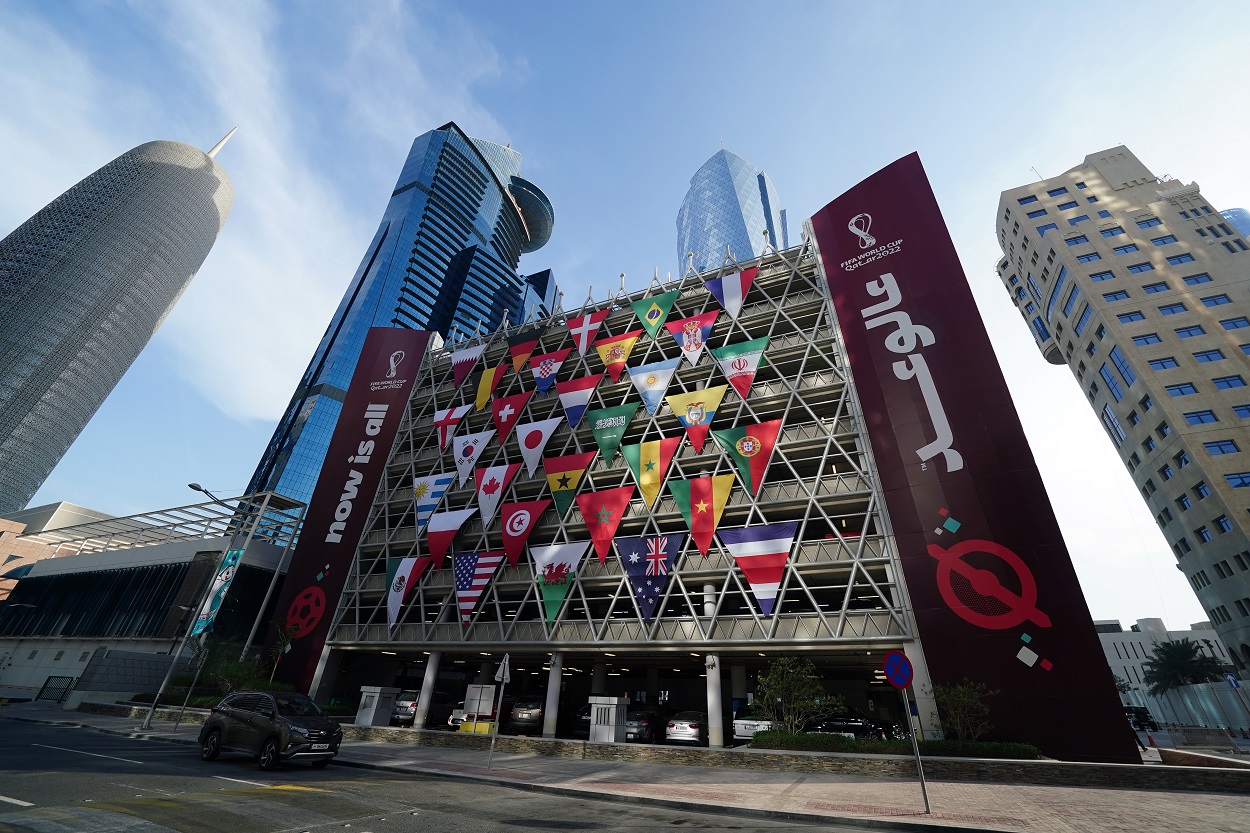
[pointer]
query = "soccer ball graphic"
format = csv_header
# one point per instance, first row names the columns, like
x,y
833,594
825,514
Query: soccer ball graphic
x,y
306,611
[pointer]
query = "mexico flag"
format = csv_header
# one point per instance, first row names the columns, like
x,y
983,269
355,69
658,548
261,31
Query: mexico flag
x,y
695,411
740,362
649,462
463,361
564,475
761,553
584,327
614,352
402,574
731,290
751,447
557,567
602,511
575,396
702,501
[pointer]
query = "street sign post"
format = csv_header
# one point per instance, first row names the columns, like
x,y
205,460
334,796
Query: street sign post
x,y
899,672
503,676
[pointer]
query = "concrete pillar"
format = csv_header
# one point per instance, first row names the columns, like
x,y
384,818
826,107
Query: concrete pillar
x,y
323,678
653,685
709,600
427,689
738,682
551,710
715,723
922,693
599,678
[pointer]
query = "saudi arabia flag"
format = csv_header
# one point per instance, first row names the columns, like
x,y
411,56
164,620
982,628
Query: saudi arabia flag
x,y
740,362
557,567
608,425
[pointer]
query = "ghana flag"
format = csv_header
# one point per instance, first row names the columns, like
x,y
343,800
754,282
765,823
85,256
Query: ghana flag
x,y
564,475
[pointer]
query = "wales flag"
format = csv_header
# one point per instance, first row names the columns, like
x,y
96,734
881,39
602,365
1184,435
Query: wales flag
x,y
751,447
702,501
652,311
557,567
649,462
608,425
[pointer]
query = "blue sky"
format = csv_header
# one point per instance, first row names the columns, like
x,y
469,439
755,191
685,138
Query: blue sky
x,y
614,107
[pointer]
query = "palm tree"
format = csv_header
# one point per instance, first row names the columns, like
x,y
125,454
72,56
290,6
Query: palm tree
x,y
1175,664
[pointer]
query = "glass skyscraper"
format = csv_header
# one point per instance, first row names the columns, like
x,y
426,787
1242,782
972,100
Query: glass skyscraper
x,y
84,284
444,258
729,203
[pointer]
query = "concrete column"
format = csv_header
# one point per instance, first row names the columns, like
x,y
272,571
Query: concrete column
x,y
427,689
709,600
715,724
323,679
599,678
922,693
653,685
738,682
551,710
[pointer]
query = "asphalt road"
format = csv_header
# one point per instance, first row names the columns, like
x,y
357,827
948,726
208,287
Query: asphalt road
x,y
57,779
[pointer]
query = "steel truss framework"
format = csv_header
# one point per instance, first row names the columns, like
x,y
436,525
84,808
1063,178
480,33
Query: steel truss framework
x,y
841,584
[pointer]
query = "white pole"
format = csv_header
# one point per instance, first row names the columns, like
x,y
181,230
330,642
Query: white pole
x,y
915,745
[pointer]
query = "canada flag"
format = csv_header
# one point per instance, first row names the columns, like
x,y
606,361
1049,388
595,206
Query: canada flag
x,y
491,484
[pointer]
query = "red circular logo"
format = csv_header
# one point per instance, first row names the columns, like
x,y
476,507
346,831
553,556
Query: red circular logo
x,y
306,611
534,439
1000,607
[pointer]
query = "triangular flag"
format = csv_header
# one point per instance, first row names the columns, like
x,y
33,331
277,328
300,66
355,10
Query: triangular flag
x,y
507,411
614,352
649,462
545,368
564,475
467,450
730,290
695,411
442,527
473,571
602,511
487,381
429,492
648,561
522,345
519,520
491,484
739,362
399,579
751,447
761,553
532,438
701,501
691,334
575,396
557,567
651,381
652,311
608,425
462,361
446,421
584,328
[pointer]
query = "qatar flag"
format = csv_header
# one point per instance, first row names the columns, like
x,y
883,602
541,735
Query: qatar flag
x,y
532,438
463,361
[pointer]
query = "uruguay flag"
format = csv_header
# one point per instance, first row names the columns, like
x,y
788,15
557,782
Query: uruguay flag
x,y
575,396
731,290
429,492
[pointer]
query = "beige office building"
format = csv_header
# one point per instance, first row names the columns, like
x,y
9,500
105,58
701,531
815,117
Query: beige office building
x,y
1139,286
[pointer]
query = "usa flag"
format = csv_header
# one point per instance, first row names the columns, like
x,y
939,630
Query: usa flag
x,y
473,572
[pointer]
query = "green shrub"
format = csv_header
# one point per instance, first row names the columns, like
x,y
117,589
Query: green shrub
x,y
801,742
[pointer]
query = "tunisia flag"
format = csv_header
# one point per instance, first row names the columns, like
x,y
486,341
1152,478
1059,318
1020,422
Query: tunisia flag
x,y
519,520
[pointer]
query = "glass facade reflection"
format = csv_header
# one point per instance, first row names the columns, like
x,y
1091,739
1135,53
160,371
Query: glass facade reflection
x,y
444,258
729,203
1239,219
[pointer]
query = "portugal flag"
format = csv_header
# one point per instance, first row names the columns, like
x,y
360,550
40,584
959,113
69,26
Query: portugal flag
x,y
602,511
615,352
649,462
751,447
564,475
702,501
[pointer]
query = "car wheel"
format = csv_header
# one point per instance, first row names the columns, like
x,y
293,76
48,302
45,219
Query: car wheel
x,y
211,747
269,755
322,764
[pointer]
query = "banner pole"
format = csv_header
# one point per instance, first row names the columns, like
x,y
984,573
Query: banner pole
x,y
915,745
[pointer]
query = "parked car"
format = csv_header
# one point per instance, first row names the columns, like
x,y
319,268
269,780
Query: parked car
x,y
1139,717
643,726
581,723
527,716
405,711
271,726
852,723
687,727
748,721
459,715
456,717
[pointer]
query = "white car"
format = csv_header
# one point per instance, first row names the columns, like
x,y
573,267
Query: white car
x,y
747,722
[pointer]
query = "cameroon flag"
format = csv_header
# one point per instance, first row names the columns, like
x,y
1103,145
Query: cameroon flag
x,y
564,475
702,501
751,447
649,462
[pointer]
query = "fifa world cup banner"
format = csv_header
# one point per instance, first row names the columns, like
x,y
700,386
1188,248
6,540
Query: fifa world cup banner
x,y
995,595
355,462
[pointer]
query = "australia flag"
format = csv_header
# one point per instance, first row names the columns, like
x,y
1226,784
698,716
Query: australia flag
x,y
648,562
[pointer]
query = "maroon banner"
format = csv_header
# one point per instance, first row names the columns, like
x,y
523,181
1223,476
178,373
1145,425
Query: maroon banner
x,y
995,595
375,403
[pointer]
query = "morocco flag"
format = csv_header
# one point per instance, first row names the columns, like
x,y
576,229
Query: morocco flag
x,y
702,501
761,553
602,511
751,447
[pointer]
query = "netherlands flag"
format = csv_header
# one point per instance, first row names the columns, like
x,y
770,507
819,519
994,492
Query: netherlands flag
x,y
731,290
761,553
575,396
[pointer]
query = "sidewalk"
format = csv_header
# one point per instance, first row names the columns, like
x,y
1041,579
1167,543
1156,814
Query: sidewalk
x,y
820,798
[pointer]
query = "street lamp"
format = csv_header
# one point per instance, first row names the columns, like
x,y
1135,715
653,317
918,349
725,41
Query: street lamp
x,y
198,488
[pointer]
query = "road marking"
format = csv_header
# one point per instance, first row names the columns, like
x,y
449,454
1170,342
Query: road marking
x,y
18,802
92,754
241,781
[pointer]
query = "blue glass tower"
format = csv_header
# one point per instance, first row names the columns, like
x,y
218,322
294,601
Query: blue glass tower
x,y
1239,219
729,203
444,256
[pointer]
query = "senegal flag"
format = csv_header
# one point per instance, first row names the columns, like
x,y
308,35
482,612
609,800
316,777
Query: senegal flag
x,y
649,462
564,475
751,447
652,311
702,501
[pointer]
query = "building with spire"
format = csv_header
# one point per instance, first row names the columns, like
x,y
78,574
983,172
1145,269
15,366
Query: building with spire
x,y
444,258
85,282
729,207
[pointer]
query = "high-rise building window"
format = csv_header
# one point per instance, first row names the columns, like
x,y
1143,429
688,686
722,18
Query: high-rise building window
x,y
1088,258
1194,280
1172,309
1113,384
1181,458
1149,223
1203,534
1240,322
1209,356
1184,503
1111,232
1191,331
1202,491
1166,472
1125,249
1164,240
1221,447
1118,295
1177,260
1154,288
1227,382
1241,411
1200,417
1033,215
1182,389
1166,363
1239,480
1083,321
1101,276
1104,214
1064,206
1056,192
1130,317
1216,300
1140,267
1148,338
1071,241
1223,524
1027,200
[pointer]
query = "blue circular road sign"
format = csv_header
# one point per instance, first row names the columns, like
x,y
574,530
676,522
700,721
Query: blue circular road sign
x,y
898,670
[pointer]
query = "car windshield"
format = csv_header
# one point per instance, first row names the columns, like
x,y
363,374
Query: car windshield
x,y
407,695
747,713
296,704
688,716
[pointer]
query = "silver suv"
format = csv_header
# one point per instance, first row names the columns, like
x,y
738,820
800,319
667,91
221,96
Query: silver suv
x,y
271,726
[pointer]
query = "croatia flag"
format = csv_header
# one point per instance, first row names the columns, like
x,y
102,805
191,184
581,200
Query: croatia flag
x,y
761,553
545,368
575,396
731,290
473,571
584,328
